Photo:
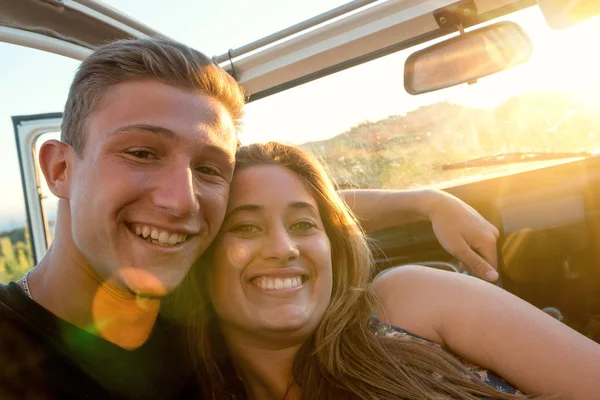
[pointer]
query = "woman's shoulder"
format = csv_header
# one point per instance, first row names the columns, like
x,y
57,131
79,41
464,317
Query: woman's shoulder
x,y
419,298
412,274
415,281
412,296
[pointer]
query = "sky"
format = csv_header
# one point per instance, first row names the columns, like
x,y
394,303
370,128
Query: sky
x,y
33,81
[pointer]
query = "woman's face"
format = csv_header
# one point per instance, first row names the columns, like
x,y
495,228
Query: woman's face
x,y
271,265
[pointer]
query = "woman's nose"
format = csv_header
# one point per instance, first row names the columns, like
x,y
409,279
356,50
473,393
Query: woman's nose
x,y
281,246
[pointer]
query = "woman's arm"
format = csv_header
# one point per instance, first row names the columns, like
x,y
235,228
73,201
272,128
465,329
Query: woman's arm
x,y
461,230
492,328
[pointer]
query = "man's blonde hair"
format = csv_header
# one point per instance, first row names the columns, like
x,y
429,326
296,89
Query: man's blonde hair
x,y
126,60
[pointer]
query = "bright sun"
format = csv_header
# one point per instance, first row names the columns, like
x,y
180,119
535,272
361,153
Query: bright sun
x,y
562,60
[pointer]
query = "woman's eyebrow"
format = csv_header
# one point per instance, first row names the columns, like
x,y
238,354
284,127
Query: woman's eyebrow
x,y
244,207
302,205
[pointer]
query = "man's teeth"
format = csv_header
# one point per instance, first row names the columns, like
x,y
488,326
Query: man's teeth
x,y
270,283
160,237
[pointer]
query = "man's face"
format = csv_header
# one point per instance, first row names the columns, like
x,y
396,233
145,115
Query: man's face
x,y
149,191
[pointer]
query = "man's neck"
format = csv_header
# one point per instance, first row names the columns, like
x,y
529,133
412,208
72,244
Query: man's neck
x,y
70,289
265,369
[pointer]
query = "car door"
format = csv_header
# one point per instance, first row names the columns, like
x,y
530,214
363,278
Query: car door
x,y
30,131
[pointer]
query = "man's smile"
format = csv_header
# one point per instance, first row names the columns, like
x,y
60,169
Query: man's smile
x,y
159,236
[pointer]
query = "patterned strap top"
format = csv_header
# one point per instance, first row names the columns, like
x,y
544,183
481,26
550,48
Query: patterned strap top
x,y
486,376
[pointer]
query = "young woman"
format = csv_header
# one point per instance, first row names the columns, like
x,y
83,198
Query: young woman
x,y
283,309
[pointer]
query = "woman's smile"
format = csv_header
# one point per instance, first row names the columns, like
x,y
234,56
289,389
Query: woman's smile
x,y
271,283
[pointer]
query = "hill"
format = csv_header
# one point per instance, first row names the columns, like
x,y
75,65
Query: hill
x,y
408,150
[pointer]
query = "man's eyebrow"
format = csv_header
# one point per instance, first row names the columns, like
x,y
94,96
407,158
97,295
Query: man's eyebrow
x,y
159,130
162,131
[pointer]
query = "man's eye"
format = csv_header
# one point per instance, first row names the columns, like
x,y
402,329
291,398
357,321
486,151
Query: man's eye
x,y
208,170
143,154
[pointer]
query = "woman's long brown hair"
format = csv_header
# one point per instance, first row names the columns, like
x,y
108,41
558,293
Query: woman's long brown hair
x,y
345,358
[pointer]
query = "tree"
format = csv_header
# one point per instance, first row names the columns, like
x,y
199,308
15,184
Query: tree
x,y
15,259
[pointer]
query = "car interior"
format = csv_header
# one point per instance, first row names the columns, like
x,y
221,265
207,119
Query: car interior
x,y
495,102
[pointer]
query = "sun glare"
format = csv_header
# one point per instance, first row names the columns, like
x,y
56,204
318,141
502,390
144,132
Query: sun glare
x,y
372,133
562,61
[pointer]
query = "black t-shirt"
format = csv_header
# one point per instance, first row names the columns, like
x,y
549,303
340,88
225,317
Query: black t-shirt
x,y
44,357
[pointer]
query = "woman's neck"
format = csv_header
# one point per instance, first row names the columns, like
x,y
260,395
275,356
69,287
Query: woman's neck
x,y
265,368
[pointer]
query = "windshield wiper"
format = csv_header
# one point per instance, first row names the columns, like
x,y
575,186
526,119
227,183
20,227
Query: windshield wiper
x,y
512,158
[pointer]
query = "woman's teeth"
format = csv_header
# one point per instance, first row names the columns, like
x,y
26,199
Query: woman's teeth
x,y
159,237
270,283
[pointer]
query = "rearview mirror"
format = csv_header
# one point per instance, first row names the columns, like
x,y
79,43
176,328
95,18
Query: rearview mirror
x,y
467,57
562,14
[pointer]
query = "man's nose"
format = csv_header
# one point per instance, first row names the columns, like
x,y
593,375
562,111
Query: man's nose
x,y
176,193
280,246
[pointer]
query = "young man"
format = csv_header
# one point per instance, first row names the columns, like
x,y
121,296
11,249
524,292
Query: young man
x,y
142,172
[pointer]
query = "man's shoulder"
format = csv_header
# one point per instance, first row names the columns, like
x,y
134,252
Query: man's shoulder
x,y
31,363
18,334
22,353
10,313
5,290
9,293
13,310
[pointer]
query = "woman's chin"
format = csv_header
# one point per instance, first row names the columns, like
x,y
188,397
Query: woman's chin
x,y
276,325
291,320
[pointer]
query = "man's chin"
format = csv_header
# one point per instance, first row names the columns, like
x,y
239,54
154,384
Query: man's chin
x,y
145,284
148,293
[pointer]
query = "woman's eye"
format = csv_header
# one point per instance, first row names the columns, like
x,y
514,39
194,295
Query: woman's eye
x,y
303,226
246,229
143,154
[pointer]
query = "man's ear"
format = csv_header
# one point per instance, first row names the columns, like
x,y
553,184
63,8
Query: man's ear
x,y
56,163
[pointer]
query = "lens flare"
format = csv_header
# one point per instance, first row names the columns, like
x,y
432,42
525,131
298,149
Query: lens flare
x,y
238,254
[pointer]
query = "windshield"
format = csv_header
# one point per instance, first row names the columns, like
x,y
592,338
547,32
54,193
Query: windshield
x,y
372,134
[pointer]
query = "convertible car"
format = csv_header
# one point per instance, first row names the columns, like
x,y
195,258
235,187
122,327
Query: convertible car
x,y
496,102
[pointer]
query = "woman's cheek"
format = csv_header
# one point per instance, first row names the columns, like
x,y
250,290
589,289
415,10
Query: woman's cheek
x,y
238,255
230,259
